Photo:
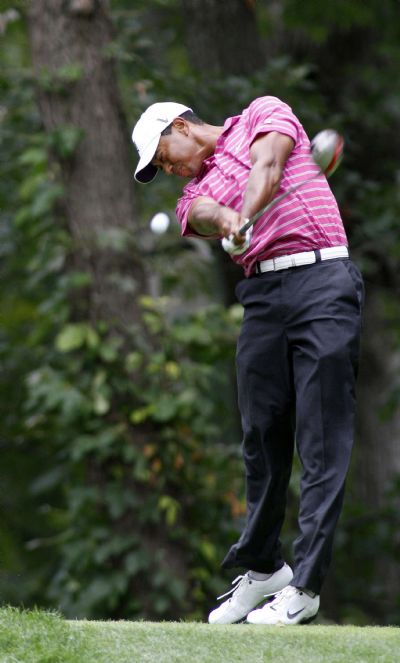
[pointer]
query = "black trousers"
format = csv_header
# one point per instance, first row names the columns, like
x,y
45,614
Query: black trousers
x,y
297,360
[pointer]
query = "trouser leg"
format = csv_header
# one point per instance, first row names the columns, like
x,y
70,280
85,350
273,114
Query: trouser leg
x,y
324,336
306,320
266,405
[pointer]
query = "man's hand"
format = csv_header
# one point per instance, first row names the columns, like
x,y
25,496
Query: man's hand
x,y
229,223
207,217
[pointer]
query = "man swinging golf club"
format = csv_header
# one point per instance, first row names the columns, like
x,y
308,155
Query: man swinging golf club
x,y
297,352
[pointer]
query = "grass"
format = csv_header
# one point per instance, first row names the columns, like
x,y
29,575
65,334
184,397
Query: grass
x,y
42,637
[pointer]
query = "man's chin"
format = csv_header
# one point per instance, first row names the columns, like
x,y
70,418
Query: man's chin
x,y
189,173
196,171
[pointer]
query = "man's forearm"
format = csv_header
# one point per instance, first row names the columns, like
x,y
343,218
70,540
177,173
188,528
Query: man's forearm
x,y
269,154
207,217
203,216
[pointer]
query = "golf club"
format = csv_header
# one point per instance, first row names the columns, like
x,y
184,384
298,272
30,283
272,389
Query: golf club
x,y
326,151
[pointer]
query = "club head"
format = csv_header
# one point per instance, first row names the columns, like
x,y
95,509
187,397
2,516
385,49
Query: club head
x,y
327,150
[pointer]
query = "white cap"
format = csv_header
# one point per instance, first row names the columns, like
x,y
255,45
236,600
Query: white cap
x,y
146,135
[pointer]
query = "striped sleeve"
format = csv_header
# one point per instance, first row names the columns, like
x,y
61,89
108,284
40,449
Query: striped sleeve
x,y
182,213
267,114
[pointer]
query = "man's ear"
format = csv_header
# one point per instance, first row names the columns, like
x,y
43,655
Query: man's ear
x,y
181,125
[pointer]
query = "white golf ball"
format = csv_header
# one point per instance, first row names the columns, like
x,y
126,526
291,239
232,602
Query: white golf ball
x,y
159,223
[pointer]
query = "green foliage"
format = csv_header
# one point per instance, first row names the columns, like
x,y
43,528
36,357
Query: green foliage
x,y
363,532
32,254
119,484
62,79
65,140
320,21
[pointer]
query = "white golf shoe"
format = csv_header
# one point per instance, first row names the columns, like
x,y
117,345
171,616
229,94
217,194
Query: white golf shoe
x,y
291,606
247,594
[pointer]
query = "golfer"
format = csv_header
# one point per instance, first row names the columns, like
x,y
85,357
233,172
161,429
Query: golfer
x,y
298,349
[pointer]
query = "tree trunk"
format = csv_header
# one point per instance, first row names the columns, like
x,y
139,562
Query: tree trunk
x,y
222,37
77,87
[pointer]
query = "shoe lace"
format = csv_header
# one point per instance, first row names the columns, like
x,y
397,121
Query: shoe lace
x,y
285,593
237,583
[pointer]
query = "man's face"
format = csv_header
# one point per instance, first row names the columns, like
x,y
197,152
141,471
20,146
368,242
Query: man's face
x,y
179,153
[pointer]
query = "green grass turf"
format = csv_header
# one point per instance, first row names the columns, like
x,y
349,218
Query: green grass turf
x,y
40,637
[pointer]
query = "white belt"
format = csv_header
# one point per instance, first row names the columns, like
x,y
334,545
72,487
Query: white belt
x,y
299,259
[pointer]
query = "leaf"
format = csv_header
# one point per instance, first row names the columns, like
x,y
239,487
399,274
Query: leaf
x,y
44,201
172,369
34,156
133,361
134,562
171,508
208,551
65,140
48,480
100,403
70,72
72,337
30,185
108,352
165,408
92,338
141,414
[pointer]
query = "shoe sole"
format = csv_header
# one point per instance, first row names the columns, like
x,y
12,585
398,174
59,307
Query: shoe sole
x,y
309,620
303,622
242,620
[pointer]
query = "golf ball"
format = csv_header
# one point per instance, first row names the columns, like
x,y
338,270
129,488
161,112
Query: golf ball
x,y
159,223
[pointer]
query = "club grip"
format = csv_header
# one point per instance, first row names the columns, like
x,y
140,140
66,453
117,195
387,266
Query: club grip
x,y
243,230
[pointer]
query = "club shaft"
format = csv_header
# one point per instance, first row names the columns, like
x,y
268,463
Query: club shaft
x,y
250,222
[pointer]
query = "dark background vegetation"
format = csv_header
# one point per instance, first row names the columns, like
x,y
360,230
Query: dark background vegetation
x,y
121,482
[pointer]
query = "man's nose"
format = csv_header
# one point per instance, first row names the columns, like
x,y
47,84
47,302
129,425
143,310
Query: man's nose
x,y
168,169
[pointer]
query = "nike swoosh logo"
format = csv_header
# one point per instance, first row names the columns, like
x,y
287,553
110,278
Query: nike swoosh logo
x,y
162,119
292,615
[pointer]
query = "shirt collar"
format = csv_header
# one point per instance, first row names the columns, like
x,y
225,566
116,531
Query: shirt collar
x,y
229,122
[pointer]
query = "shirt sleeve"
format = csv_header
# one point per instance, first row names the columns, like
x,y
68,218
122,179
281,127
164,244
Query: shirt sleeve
x,y
267,114
182,213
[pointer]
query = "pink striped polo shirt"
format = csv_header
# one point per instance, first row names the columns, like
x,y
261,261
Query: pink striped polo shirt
x,y
307,219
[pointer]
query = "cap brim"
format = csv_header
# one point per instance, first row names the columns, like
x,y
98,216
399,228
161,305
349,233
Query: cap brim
x,y
145,171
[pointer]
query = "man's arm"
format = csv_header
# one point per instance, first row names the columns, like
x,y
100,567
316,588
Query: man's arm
x,y
207,217
268,154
